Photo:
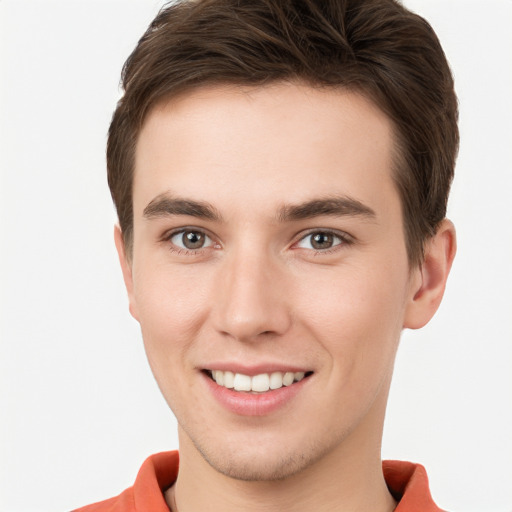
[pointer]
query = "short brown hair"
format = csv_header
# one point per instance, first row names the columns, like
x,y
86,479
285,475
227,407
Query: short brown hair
x,y
376,47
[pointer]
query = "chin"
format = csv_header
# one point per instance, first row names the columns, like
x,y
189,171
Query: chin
x,y
263,468
259,463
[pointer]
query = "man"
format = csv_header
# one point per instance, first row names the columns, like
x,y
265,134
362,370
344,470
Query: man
x,y
281,172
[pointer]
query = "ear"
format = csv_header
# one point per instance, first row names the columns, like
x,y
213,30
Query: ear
x,y
126,267
429,279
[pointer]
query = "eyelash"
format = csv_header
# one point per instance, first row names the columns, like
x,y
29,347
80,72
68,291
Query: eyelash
x,y
167,237
344,238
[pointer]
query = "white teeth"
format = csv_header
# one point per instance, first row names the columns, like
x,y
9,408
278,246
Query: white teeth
x,y
242,382
229,379
258,383
288,378
276,380
218,376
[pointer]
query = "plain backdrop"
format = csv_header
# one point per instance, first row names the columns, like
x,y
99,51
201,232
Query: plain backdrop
x,y
79,409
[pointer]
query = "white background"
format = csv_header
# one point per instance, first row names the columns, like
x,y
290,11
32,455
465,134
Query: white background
x,y
79,410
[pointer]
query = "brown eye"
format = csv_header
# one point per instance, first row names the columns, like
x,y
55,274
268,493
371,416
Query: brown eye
x,y
191,240
321,241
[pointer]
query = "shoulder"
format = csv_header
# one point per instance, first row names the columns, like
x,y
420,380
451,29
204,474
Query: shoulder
x,y
122,503
156,474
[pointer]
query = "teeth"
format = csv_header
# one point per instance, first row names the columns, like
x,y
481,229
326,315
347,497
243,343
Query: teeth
x,y
257,384
260,383
276,380
288,378
242,382
218,377
229,379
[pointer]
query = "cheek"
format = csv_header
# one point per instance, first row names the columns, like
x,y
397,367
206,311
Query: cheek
x,y
171,307
356,315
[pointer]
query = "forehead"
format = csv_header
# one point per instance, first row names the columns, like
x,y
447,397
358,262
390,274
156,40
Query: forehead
x,y
283,142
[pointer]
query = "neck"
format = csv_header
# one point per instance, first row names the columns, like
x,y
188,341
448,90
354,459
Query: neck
x,y
355,489
347,479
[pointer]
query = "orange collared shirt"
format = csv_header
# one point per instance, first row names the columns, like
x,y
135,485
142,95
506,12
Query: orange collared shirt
x,y
407,482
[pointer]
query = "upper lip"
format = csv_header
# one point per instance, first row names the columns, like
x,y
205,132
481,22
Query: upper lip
x,y
255,369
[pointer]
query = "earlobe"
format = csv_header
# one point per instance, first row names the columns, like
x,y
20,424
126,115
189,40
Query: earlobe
x,y
126,267
431,277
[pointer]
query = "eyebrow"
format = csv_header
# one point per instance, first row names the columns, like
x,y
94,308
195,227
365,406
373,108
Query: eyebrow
x,y
337,206
165,205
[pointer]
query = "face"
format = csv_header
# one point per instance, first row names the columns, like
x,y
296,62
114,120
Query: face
x,y
269,272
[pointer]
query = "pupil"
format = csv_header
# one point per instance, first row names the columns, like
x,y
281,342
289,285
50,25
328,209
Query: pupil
x,y
193,240
322,241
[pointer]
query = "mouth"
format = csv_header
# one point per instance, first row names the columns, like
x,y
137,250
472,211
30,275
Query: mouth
x,y
260,383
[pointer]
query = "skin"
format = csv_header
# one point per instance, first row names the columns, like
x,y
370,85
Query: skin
x,y
259,292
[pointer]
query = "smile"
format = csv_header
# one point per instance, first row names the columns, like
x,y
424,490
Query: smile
x,y
260,383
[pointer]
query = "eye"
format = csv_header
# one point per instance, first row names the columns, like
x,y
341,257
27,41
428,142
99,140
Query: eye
x,y
321,241
190,240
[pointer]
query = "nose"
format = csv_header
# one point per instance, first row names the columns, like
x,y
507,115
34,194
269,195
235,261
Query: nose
x,y
250,300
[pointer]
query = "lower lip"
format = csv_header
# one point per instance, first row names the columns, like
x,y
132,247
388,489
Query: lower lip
x,y
254,404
